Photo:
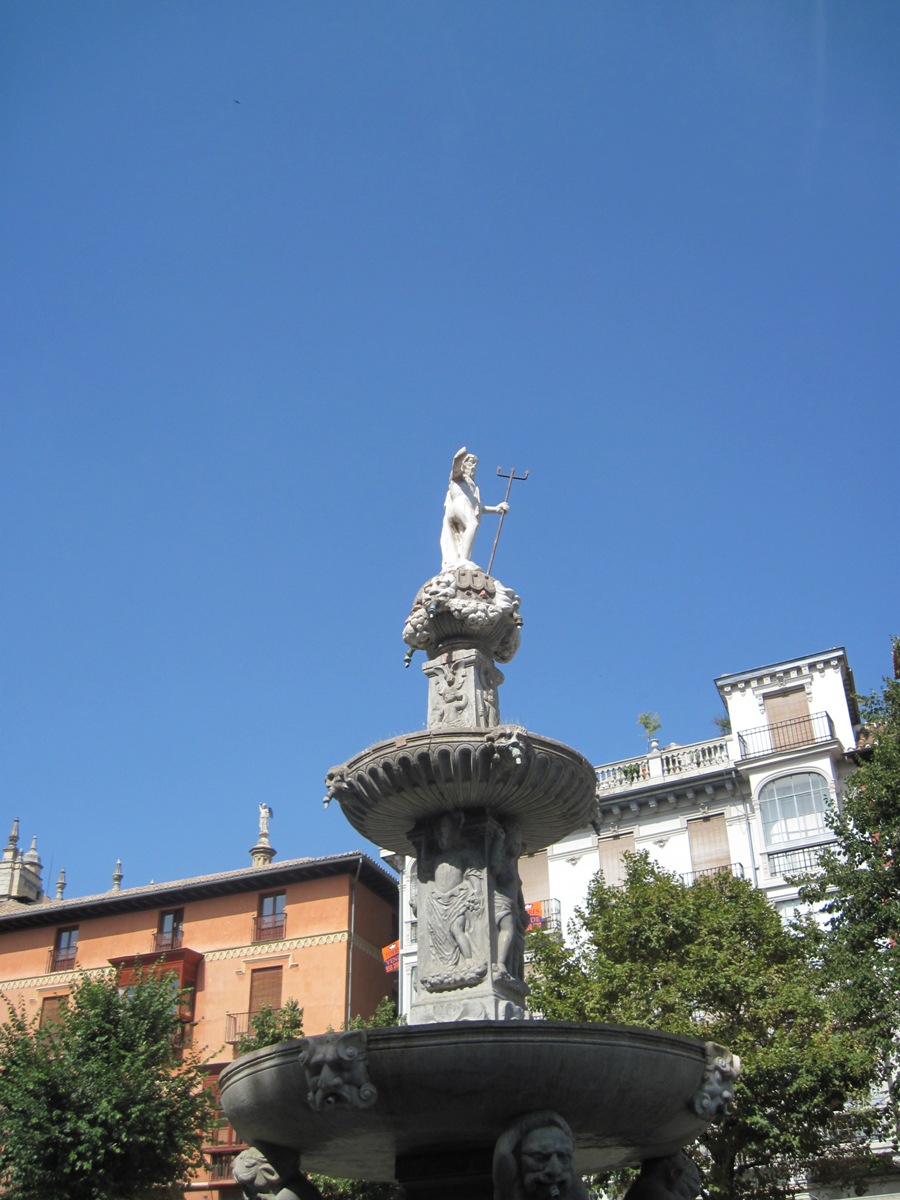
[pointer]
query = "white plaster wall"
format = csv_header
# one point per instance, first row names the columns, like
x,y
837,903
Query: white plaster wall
x,y
823,676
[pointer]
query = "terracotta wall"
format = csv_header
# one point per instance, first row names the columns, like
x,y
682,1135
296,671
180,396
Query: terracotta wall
x,y
221,928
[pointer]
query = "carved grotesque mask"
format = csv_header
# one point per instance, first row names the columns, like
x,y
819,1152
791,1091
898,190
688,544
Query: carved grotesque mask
x,y
545,1162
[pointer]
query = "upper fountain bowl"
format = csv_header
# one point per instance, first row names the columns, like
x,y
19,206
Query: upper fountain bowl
x,y
546,787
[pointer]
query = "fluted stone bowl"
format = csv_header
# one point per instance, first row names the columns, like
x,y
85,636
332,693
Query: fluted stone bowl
x,y
452,1089
546,786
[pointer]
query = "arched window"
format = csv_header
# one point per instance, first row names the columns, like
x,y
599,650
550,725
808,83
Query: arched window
x,y
793,808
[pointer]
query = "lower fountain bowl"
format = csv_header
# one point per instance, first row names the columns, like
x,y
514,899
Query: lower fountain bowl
x,y
452,1088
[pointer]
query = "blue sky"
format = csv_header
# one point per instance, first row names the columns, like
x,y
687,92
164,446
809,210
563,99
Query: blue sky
x,y
266,267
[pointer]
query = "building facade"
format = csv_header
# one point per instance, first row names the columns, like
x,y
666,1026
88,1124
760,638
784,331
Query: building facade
x,y
311,929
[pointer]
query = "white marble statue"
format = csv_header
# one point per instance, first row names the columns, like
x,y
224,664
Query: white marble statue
x,y
265,814
462,512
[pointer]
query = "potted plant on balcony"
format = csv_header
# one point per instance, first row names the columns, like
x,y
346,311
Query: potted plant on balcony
x,y
651,724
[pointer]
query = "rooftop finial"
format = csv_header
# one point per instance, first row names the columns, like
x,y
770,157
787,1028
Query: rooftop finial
x,y
61,883
262,853
117,875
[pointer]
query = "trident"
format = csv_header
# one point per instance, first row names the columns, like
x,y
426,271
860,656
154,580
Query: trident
x,y
511,476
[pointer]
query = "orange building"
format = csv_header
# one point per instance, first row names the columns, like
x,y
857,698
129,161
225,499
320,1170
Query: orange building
x,y
307,928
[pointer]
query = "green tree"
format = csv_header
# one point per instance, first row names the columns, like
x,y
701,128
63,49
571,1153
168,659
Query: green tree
x,y
101,1104
650,723
858,884
271,1025
714,961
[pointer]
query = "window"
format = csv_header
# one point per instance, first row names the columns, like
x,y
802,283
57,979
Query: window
x,y
793,808
265,988
708,839
65,948
170,931
52,1009
270,922
788,716
612,857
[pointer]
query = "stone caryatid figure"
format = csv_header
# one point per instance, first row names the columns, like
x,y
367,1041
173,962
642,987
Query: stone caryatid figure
x,y
462,512
268,1172
510,914
675,1177
533,1160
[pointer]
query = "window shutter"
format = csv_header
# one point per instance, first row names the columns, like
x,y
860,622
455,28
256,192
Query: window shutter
x,y
708,839
265,988
612,857
535,875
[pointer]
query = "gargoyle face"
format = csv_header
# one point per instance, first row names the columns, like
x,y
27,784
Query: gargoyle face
x,y
545,1159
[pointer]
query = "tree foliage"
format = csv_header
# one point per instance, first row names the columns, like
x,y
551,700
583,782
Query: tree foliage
x,y
714,961
100,1104
269,1026
858,887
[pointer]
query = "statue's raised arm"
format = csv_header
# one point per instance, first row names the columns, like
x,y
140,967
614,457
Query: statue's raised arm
x,y
462,512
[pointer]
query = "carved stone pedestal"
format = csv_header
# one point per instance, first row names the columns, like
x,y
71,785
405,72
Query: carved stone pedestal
x,y
462,690
471,919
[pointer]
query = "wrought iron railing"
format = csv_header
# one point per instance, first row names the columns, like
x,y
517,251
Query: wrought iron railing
x,y
237,1026
169,940
735,869
62,960
786,735
802,861
220,1167
269,928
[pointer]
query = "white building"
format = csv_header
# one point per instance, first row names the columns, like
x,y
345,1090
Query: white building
x,y
752,801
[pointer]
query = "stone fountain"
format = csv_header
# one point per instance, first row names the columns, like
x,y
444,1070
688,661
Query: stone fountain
x,y
472,1095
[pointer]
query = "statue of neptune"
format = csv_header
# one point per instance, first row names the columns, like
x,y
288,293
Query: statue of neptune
x,y
462,512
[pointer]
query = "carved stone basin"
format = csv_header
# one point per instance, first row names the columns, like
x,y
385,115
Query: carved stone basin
x,y
546,787
444,1093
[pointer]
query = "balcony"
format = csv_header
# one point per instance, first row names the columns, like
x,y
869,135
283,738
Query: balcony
x,y
786,735
544,915
220,1167
171,939
62,960
803,861
735,869
237,1026
269,928
676,762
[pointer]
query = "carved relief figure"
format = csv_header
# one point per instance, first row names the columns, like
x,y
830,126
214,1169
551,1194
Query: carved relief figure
x,y
336,1070
455,899
462,512
675,1177
533,1161
510,914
